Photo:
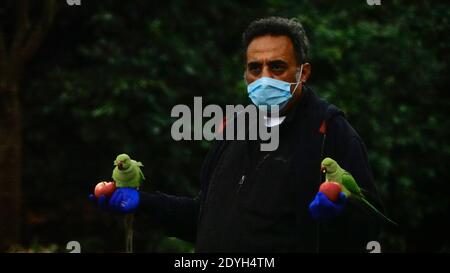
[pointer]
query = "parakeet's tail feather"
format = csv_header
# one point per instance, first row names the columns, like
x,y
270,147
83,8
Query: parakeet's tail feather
x,y
363,190
377,211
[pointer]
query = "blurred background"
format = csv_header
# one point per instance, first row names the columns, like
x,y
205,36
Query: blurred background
x,y
80,84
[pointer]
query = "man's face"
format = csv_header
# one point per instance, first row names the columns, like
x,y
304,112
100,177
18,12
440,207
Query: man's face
x,y
274,57
271,56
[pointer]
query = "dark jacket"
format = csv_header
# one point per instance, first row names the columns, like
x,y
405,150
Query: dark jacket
x,y
253,201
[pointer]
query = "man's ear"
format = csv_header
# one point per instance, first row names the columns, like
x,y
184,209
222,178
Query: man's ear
x,y
306,72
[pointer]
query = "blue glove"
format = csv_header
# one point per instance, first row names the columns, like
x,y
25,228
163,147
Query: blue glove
x,y
323,209
123,200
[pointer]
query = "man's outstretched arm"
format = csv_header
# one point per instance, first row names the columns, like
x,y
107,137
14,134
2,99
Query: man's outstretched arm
x,y
176,215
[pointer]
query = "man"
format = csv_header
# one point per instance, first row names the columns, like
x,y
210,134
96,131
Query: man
x,y
256,201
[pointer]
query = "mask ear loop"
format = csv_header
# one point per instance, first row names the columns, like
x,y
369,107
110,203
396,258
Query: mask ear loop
x,y
298,78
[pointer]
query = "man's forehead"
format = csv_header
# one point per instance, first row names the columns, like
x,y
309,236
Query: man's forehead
x,y
270,48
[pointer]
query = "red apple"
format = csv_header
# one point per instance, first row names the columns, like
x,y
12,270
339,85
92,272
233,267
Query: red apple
x,y
104,188
331,190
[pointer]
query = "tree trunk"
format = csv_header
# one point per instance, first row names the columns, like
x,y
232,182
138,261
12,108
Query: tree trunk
x,y
10,166
27,38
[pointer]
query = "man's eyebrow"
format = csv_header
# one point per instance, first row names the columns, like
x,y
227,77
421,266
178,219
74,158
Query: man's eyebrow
x,y
254,63
277,62
273,62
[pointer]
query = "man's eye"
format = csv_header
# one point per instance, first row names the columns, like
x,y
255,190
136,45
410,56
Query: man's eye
x,y
277,68
254,69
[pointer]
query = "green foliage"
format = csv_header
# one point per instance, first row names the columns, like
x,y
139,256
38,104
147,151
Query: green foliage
x,y
174,245
109,74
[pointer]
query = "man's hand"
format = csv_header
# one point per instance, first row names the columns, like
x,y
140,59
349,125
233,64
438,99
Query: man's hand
x,y
323,209
123,200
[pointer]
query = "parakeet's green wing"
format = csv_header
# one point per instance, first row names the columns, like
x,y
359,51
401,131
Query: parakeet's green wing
x,y
350,184
139,165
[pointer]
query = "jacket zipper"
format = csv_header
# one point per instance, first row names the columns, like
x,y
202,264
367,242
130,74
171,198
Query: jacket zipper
x,y
261,161
242,180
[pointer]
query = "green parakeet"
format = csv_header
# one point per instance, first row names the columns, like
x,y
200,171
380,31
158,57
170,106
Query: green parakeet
x,y
127,173
333,172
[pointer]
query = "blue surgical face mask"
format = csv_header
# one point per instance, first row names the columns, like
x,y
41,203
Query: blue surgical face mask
x,y
270,92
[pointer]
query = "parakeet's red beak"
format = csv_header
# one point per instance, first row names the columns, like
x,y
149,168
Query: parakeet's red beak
x,y
323,169
120,165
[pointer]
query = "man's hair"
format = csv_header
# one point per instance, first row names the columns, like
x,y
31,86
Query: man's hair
x,y
277,26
